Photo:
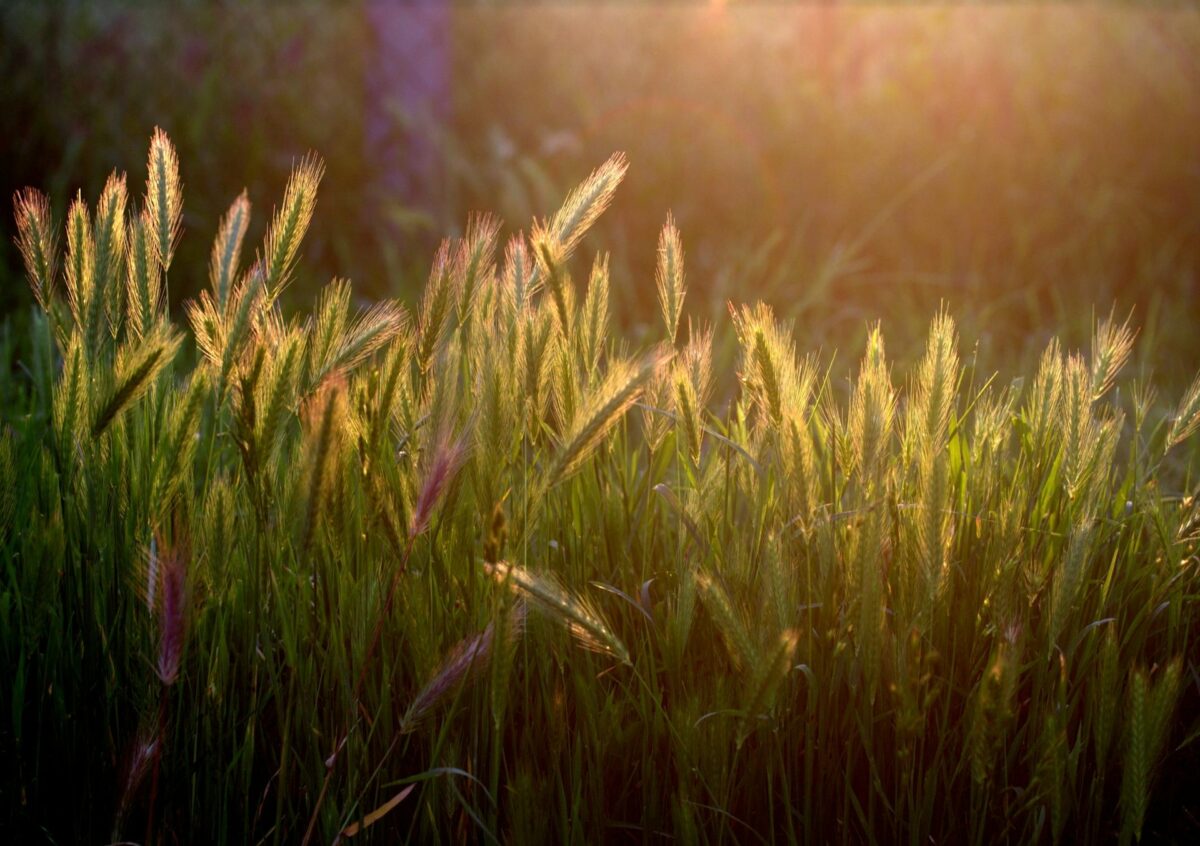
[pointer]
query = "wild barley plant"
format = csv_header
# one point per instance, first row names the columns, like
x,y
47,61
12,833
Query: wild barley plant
x,y
811,610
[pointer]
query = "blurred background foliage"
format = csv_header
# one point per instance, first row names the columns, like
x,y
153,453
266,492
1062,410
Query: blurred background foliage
x,y
1030,166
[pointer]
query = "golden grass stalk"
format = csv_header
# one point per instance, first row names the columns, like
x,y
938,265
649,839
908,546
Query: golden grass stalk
x,y
1111,346
550,264
937,381
555,240
110,231
220,334
601,411
800,461
929,421
496,429
769,373
990,437
163,208
1076,420
326,326
435,309
517,276
1186,419
534,363
227,249
104,305
81,255
275,392
565,390
871,415
175,454
71,395
289,225
669,278
584,205
688,406
391,371
593,325
658,395
324,425
142,278
777,575
371,330
138,364
579,616
473,262
37,243
1044,407
337,344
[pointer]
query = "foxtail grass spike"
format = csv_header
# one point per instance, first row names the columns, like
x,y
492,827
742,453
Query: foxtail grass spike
x,y
585,204
473,263
138,365
81,255
669,278
164,198
1186,419
289,225
594,420
227,249
37,243
143,280
1111,347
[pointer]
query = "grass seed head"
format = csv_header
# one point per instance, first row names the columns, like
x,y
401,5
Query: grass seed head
x,y
37,242
449,454
669,278
163,207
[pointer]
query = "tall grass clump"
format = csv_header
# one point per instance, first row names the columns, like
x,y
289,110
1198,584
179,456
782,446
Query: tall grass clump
x,y
417,572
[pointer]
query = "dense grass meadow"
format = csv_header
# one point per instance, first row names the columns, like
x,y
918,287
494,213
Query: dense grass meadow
x,y
804,448
484,570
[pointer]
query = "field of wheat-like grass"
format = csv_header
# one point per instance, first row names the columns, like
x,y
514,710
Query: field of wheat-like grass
x,y
481,570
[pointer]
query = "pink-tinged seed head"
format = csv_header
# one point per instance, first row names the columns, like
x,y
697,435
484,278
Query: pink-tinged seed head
x,y
138,761
464,660
448,458
172,563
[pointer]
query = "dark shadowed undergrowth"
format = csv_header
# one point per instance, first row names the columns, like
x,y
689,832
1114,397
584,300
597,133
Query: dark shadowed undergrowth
x,y
481,571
